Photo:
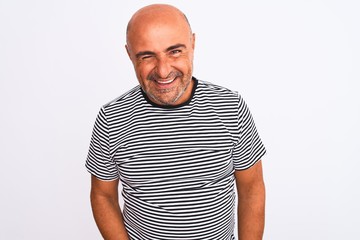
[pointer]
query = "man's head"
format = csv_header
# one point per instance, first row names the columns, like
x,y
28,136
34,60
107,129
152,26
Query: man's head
x,y
160,45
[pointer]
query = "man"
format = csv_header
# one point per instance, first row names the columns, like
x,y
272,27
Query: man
x,y
176,144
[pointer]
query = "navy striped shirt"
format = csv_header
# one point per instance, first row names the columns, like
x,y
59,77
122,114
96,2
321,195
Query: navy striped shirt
x,y
176,164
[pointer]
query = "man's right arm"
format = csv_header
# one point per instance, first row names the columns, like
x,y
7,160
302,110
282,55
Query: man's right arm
x,y
106,209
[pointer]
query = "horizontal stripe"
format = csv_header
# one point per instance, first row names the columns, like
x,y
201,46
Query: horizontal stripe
x,y
176,165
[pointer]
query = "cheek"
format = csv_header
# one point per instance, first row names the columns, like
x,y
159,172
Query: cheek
x,y
185,66
181,64
143,70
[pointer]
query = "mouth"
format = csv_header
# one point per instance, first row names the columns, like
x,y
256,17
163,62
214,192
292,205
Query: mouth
x,y
165,81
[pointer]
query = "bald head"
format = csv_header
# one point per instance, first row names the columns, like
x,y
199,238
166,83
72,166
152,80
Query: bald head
x,y
160,45
156,13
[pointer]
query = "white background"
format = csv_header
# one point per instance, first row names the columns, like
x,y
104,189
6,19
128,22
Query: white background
x,y
296,63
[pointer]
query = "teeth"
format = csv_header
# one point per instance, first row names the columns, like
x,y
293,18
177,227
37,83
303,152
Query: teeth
x,y
165,82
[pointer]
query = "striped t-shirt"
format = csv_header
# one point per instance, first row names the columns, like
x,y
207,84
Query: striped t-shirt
x,y
176,164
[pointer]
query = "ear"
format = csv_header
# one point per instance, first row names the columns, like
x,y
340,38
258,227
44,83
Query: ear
x,y
193,41
127,50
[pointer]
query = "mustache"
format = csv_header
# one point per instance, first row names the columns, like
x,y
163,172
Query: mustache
x,y
154,76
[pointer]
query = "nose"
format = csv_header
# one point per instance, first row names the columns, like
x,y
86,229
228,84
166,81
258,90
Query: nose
x,y
163,67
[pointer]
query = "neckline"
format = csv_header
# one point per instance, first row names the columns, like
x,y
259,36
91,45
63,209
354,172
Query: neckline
x,y
172,106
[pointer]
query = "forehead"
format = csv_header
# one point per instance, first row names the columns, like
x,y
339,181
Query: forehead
x,y
158,32
160,37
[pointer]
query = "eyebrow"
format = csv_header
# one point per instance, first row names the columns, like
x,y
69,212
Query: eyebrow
x,y
179,45
139,54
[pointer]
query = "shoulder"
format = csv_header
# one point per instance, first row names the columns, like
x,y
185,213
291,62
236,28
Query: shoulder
x,y
122,105
211,90
125,100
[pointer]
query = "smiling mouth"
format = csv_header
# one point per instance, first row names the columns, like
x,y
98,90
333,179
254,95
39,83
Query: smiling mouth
x,y
165,81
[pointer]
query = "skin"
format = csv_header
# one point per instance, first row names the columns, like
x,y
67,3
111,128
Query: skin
x,y
106,210
251,202
160,45
162,52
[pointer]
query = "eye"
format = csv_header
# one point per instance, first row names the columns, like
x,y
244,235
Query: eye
x,y
146,57
175,52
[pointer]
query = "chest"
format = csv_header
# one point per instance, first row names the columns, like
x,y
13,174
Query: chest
x,y
173,149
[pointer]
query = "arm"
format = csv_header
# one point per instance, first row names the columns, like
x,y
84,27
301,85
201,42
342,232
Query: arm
x,y
251,202
106,209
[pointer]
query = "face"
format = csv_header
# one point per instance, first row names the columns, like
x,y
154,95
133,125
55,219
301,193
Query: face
x,y
162,55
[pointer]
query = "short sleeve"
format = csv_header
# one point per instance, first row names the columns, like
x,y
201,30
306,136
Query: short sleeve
x,y
99,162
249,147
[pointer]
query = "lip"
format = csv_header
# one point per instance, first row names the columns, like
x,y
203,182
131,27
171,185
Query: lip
x,y
165,83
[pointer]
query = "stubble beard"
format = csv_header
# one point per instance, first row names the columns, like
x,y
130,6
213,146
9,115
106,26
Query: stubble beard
x,y
165,91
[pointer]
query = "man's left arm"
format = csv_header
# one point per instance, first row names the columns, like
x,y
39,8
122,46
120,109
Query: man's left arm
x,y
251,202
